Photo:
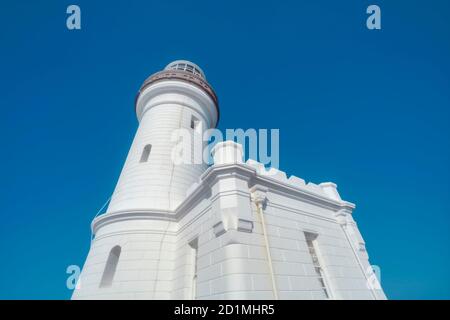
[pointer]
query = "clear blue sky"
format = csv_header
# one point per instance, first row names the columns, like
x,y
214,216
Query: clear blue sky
x,y
368,110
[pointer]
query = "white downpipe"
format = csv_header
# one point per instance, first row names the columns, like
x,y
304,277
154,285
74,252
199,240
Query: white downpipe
x,y
269,257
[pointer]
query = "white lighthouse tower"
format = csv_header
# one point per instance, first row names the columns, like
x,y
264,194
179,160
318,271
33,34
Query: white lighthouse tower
x,y
228,231
176,98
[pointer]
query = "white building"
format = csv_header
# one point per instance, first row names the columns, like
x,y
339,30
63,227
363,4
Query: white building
x,y
227,231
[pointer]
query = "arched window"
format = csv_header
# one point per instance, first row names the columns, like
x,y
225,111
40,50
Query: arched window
x,y
146,153
110,267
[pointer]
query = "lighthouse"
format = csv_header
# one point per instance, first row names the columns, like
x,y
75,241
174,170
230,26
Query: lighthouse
x,y
186,230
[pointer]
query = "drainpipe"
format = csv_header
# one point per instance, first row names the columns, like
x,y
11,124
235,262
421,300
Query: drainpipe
x,y
259,198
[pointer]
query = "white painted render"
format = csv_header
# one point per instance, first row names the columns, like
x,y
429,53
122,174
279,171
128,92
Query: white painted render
x,y
195,232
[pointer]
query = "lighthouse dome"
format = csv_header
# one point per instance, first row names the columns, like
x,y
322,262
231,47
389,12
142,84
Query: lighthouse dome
x,y
185,65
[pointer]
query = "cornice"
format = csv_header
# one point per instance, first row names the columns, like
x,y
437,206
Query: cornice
x,y
208,179
127,215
